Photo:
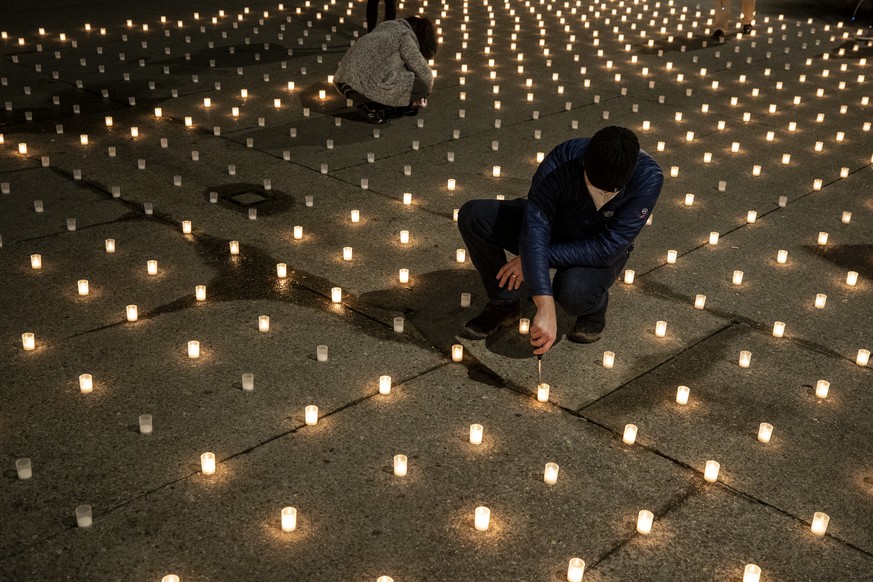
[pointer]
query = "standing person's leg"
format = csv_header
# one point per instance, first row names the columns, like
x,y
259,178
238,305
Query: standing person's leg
x,y
722,15
390,10
372,14
584,293
748,11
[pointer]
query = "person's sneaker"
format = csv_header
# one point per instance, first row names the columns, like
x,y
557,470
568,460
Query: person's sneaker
x,y
747,29
588,328
493,317
718,34
372,113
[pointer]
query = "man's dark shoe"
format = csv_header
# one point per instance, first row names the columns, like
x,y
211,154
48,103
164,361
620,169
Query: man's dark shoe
x,y
747,29
718,34
372,113
588,328
492,318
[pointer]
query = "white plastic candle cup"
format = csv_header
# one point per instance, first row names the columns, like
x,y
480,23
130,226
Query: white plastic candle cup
x,y
629,276
403,275
298,232
482,518
289,518
386,578
234,247
170,578
660,328
745,359
407,198
263,323
751,216
457,353
347,253
398,324
820,523
36,262
820,300
321,353
86,383
689,199
83,516
152,267
629,436
311,414
863,357
765,432
671,256
384,384
699,301
466,299
644,521
821,388
782,257
23,468
852,278
207,463
200,292
132,313
451,183
28,341
752,573
193,349
707,158
336,294
713,238
186,227
608,360
822,238
476,432
682,393
83,139
461,255
710,473
145,424
524,326
400,465
543,392
550,476
737,278
786,159
404,237
778,329
495,171
846,217
575,570
110,245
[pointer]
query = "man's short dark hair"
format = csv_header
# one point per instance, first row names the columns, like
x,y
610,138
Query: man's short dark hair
x,y
610,158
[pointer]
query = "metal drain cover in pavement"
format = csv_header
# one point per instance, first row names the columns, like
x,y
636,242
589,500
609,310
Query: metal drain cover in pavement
x,y
248,198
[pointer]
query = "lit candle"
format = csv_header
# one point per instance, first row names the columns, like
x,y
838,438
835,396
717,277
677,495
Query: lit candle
x,y
482,518
110,245
820,523
752,573
699,301
400,465
28,341
384,384
263,323
83,286
186,227
551,474
852,278
543,392
83,139
207,463
145,424
200,292
778,329
682,393
710,473
451,184
460,255
608,360
495,171
575,570
765,432
132,314
152,267
846,217
671,256
189,121
644,521
248,382
863,357
713,238
466,298
336,294
36,262
629,276
298,232
289,518
524,326
707,157
281,270
356,215
158,112
786,158
311,415
660,329
821,388
86,383
83,516
404,275
22,148
476,432
737,278
193,349
745,358
751,216
782,257
407,198
630,434
347,253
134,132
24,468
234,247
457,353
384,579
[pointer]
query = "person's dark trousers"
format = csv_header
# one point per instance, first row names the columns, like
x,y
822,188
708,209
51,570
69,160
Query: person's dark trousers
x,y
492,227
373,12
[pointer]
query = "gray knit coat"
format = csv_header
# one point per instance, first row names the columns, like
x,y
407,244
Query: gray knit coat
x,y
383,64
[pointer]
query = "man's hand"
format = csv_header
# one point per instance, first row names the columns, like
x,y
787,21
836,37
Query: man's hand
x,y
510,274
544,330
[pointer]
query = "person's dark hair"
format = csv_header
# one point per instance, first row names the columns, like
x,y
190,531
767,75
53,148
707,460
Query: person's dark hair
x,y
610,158
425,33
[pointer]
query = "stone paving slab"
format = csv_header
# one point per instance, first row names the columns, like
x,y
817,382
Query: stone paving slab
x,y
356,520
815,461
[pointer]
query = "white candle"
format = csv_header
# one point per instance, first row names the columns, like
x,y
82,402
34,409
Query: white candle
x,y
311,415
248,382
852,278
550,476
263,323
707,157
83,286
152,267
822,238
543,392
821,388
207,463
384,384
132,314
495,171
644,521
476,432
575,570
660,329
110,245
710,473
751,216
186,227
671,256
737,278
682,393
28,341
460,255
482,518
384,579
451,184
36,262
778,329
159,112
407,198
347,253
83,139
83,516
765,432
699,301
200,292
846,217
145,424
782,257
404,275
752,573
820,300
22,148
786,158
321,353
298,232
629,436
189,121
524,326
820,523
713,238
400,465
23,468
134,132
289,518
863,357
86,383
398,324
457,353
234,247
629,276
745,358
336,294
356,215
193,349
608,360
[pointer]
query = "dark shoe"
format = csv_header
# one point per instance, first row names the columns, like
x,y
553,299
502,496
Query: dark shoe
x,y
747,29
372,113
718,34
588,328
395,112
492,318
